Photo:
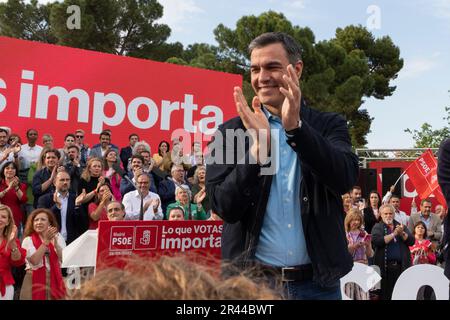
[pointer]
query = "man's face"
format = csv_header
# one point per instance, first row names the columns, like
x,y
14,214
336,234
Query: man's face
x,y
178,173
133,140
73,154
32,136
3,139
105,141
387,215
62,182
69,141
176,215
146,156
79,137
136,164
356,195
143,183
395,202
268,65
115,212
425,208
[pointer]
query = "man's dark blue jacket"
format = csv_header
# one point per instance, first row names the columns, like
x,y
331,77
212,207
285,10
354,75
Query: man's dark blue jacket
x,y
239,194
74,221
444,182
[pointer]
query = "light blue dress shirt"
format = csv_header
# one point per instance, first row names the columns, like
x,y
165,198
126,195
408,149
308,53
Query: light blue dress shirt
x,y
282,242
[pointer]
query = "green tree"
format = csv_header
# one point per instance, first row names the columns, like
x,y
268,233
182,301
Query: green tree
x,y
26,21
427,137
338,74
123,27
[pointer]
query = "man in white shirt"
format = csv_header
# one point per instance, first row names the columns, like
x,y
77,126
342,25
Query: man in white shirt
x,y
151,202
394,200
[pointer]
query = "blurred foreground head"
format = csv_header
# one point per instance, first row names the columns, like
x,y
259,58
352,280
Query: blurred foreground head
x,y
170,278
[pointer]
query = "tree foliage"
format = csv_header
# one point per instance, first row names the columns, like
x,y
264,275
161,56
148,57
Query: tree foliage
x,y
338,74
427,137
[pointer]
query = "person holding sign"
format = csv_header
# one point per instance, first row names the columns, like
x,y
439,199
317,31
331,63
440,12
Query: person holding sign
x,y
283,214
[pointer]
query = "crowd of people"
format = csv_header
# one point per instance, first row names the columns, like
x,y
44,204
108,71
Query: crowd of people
x,y
380,234
50,196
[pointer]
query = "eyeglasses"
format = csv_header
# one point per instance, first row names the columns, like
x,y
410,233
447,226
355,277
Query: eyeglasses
x,y
79,136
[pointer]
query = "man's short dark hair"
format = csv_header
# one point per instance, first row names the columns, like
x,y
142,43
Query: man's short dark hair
x,y
356,187
105,133
133,135
31,129
5,131
137,156
74,146
425,200
293,49
69,135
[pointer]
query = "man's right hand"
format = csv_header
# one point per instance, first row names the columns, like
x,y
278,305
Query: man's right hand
x,y
256,123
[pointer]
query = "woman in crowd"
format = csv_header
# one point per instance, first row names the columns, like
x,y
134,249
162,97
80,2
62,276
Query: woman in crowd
x,y
176,214
162,158
11,253
422,251
13,193
191,211
91,180
371,214
110,171
44,245
198,188
14,137
359,247
97,208
47,141
391,242
346,202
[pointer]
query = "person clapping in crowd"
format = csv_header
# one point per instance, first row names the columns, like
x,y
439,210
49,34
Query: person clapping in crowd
x,y
11,253
112,171
8,151
44,245
142,203
423,250
199,187
43,179
13,193
97,208
191,211
391,242
162,158
360,248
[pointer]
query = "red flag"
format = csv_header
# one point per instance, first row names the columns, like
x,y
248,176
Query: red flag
x,y
423,175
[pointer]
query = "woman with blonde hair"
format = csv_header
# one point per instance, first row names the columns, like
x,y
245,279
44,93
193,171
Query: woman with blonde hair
x,y
43,244
199,188
11,253
359,246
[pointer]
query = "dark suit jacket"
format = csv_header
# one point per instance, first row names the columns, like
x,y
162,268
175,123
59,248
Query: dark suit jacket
x,y
239,193
73,218
444,182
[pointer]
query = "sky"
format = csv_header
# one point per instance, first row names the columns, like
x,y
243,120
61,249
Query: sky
x,y
420,28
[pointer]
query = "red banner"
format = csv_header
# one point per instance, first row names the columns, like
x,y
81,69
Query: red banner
x,y
117,240
423,174
57,90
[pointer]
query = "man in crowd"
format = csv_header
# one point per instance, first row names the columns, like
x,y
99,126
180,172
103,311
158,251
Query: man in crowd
x,y
43,179
444,181
127,152
65,207
84,148
8,152
127,185
167,187
431,220
73,167
356,196
394,200
99,150
150,206
289,222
